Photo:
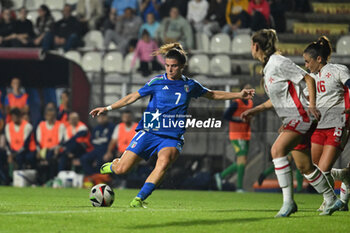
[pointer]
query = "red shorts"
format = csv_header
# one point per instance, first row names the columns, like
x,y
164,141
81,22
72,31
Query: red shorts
x,y
304,128
336,137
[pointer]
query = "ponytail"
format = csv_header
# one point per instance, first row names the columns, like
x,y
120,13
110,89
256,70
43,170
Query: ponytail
x,y
172,51
322,47
266,39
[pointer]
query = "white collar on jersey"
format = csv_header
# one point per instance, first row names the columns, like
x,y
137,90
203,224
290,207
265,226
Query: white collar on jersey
x,y
184,78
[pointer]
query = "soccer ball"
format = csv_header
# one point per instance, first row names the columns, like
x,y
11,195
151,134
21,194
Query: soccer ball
x,y
101,195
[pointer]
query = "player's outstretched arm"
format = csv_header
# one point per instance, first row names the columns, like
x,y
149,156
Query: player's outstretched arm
x,y
127,100
224,95
248,114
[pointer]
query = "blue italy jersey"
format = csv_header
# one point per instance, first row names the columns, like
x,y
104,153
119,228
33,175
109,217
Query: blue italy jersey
x,y
169,99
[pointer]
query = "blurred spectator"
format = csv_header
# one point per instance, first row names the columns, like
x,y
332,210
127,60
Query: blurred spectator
x,y
65,33
77,141
260,14
126,31
23,31
7,27
20,141
109,22
166,6
16,98
196,12
122,136
4,173
150,7
175,28
119,6
236,16
50,134
215,18
278,9
101,136
43,24
151,26
63,109
144,49
89,12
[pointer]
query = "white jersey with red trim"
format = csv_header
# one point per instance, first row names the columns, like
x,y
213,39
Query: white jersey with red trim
x,y
332,95
284,84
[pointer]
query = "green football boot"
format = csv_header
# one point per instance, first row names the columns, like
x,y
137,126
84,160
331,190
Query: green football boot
x,y
106,168
138,203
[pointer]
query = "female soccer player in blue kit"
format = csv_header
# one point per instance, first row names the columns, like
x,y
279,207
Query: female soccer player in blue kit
x,y
170,94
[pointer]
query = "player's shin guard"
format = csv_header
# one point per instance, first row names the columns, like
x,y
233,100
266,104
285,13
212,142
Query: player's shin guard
x,y
344,193
285,177
321,185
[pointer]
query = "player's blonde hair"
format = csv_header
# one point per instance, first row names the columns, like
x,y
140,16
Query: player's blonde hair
x,y
322,47
267,40
173,51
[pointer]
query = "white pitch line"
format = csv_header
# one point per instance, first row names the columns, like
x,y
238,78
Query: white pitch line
x,y
93,211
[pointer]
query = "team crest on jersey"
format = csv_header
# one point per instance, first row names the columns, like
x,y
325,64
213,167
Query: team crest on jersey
x,y
133,145
187,88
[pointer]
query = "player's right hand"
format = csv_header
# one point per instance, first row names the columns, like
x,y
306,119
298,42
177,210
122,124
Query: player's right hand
x,y
97,111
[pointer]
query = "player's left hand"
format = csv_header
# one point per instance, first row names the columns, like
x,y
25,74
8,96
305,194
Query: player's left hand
x,y
315,112
247,93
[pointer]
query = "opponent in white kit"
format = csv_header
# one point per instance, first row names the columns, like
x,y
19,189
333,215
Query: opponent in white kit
x,y
284,83
331,135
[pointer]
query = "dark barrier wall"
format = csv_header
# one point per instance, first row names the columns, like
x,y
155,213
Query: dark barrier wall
x,y
37,70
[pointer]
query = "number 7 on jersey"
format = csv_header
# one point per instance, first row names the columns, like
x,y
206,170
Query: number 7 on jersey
x,y
178,97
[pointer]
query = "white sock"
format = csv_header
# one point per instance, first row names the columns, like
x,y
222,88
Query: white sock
x,y
285,177
321,185
344,193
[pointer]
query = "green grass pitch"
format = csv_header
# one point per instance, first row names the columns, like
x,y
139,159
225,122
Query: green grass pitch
x,y
69,210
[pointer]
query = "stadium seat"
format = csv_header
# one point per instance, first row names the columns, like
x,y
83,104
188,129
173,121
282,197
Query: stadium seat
x,y
113,62
91,62
32,16
241,44
72,2
74,56
220,43
113,89
17,4
202,41
127,63
55,4
199,64
220,65
343,45
112,46
33,4
57,15
93,40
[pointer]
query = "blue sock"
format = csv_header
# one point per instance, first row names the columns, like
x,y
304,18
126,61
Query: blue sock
x,y
146,190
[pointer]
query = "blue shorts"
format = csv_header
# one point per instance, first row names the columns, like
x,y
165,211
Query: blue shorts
x,y
145,144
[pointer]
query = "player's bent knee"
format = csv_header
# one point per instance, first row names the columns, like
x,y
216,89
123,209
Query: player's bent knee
x,y
163,164
304,169
277,152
